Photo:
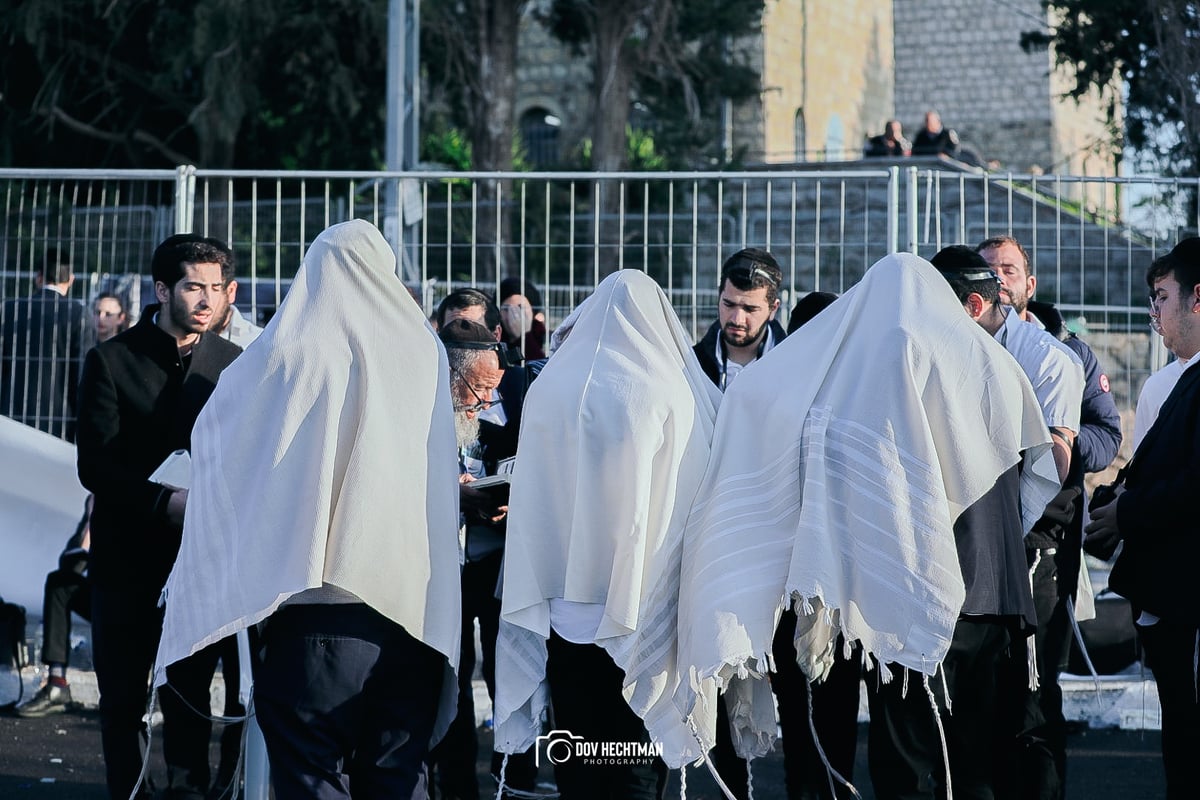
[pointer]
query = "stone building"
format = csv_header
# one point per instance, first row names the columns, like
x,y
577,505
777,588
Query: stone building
x,y
834,71
964,59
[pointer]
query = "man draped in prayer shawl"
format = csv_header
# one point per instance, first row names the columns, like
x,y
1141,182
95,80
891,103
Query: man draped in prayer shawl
x,y
620,421
324,501
901,412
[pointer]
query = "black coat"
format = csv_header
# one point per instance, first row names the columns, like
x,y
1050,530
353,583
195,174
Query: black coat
x,y
137,404
706,348
1156,570
44,339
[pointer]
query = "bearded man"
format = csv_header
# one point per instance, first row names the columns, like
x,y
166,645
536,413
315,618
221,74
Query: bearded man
x,y
139,395
745,328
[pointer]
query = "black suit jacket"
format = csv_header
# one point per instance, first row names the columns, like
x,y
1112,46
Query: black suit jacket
x,y
1157,569
137,404
44,339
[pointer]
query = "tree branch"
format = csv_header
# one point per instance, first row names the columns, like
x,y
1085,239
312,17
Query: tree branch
x,y
138,135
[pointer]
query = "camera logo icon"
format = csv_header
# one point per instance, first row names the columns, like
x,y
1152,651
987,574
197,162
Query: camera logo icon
x,y
560,746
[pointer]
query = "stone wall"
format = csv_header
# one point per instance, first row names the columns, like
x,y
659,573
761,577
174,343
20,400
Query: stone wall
x,y
550,76
832,62
964,59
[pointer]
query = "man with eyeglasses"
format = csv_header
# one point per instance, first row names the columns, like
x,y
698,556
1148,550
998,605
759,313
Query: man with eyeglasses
x,y
477,363
1152,511
1055,544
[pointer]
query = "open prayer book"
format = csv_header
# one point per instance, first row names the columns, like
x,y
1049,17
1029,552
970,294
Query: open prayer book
x,y
496,485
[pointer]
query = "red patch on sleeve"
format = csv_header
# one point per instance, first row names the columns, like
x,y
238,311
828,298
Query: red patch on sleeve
x,y
1103,382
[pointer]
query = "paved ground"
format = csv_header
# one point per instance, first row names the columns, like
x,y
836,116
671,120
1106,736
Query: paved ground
x,y
58,758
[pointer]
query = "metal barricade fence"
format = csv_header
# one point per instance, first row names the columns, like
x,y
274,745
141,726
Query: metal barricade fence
x,y
1090,239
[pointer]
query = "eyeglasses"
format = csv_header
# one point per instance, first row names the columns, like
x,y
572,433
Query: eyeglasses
x,y
746,273
480,404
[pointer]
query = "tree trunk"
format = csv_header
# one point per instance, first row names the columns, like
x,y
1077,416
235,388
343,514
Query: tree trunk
x,y
492,124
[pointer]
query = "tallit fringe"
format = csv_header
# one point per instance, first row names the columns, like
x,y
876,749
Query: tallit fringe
x,y
1087,658
831,773
1030,645
937,717
708,761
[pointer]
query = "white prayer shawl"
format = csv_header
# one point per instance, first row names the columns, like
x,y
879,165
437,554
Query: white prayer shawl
x,y
614,439
838,467
326,455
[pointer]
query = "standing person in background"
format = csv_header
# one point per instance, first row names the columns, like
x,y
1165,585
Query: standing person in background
x,y
1055,545
1152,510
111,318
43,339
524,321
138,397
232,325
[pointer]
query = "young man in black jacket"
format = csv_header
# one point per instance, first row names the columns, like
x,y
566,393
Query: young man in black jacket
x,y
139,394
745,328
1153,512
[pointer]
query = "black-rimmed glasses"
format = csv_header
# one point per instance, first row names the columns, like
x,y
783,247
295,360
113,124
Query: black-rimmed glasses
x,y
480,403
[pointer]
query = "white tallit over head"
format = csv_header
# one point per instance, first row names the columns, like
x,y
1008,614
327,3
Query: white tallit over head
x,y
326,454
614,439
838,467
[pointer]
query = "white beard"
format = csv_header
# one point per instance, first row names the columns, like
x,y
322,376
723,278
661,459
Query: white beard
x,y
465,430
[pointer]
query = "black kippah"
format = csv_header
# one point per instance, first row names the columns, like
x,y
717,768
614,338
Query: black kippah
x,y
962,262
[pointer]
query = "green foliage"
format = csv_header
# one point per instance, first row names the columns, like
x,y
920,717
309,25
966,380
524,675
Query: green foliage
x,y
1150,45
684,83
448,148
216,83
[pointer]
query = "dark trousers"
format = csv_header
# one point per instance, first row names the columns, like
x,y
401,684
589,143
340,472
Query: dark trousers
x,y
1042,740
904,747
729,765
1171,654
66,591
834,715
585,689
126,625
454,757
187,726
347,700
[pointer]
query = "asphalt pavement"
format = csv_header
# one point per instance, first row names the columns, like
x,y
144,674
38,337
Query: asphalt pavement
x,y
58,758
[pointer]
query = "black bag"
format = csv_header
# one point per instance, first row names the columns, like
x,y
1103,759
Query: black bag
x,y
12,636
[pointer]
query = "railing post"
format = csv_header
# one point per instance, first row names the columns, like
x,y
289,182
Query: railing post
x,y
185,198
893,209
913,227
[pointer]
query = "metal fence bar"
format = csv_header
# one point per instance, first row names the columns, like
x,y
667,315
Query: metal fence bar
x,y
1089,238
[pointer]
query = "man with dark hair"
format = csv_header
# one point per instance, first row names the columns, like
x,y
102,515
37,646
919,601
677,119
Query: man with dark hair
x,y
743,333
473,305
139,396
745,328
1055,544
1153,511
43,338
